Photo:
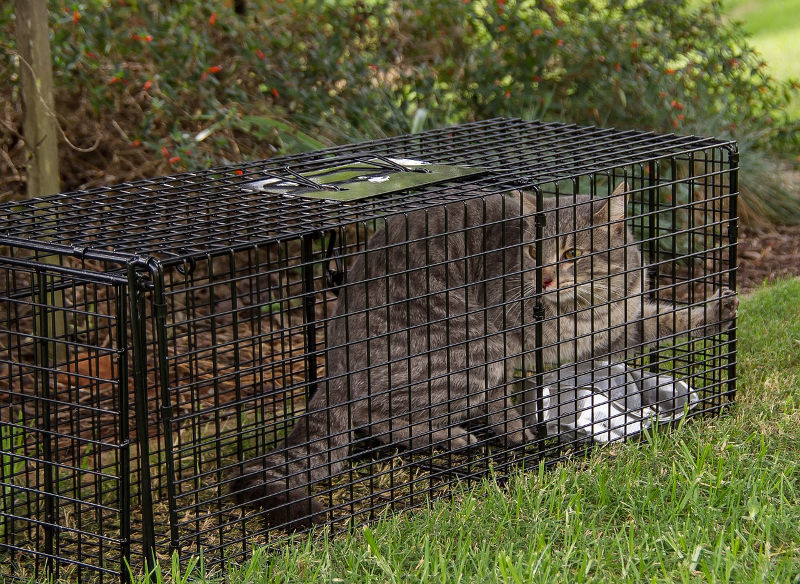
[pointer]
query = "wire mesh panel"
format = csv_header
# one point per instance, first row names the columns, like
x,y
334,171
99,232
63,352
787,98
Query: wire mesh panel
x,y
215,360
63,404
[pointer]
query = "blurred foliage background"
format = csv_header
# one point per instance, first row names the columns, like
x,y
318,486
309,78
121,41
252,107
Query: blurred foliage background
x,y
146,88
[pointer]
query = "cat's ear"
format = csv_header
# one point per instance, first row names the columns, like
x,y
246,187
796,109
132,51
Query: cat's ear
x,y
619,202
612,209
526,201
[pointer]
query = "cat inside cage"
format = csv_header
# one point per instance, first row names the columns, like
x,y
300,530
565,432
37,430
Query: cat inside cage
x,y
337,334
440,309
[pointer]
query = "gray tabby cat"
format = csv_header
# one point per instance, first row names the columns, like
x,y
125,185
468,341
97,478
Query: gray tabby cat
x,y
439,310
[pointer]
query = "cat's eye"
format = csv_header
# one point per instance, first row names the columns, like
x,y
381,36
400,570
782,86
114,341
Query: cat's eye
x,y
572,253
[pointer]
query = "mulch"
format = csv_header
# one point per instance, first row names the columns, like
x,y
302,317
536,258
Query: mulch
x,y
767,254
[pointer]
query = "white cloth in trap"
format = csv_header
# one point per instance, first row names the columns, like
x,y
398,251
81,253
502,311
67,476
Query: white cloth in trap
x,y
603,401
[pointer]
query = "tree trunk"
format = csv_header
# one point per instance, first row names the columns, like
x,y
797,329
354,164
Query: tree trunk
x,y
36,75
41,143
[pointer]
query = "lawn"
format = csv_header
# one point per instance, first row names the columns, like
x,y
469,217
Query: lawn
x,y
714,500
775,29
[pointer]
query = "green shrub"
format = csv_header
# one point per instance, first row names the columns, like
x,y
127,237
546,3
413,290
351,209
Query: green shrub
x,y
154,87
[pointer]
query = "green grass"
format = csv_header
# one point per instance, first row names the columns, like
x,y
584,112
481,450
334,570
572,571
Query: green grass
x,y
775,29
714,500
775,26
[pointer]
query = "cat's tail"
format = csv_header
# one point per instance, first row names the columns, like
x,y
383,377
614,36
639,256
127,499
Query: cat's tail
x,y
280,482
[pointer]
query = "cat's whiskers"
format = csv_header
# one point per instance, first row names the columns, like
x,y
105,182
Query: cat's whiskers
x,y
510,309
513,293
593,292
583,294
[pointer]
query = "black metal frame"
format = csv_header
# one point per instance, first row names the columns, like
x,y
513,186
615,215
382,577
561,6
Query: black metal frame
x,y
156,336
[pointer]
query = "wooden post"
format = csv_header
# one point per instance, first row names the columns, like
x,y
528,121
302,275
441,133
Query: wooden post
x,y
36,75
41,144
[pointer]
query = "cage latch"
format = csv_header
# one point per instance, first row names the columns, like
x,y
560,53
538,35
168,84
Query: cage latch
x,y
167,412
301,180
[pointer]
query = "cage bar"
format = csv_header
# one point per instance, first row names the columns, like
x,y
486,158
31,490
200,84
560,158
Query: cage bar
x,y
213,360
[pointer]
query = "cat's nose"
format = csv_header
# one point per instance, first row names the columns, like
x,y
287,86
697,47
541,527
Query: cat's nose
x,y
548,277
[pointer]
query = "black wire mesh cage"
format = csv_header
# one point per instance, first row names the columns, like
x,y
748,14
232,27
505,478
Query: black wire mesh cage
x,y
215,360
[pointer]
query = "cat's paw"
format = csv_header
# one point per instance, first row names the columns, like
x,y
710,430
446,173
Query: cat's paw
x,y
719,313
462,440
728,306
518,436
450,438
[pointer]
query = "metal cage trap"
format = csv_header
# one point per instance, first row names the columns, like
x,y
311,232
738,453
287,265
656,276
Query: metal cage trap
x,y
213,360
